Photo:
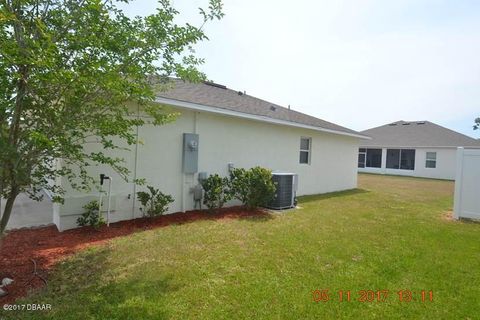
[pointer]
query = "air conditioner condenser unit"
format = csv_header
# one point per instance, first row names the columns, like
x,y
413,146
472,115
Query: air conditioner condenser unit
x,y
286,190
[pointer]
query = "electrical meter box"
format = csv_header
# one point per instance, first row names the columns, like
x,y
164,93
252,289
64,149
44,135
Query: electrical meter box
x,y
190,152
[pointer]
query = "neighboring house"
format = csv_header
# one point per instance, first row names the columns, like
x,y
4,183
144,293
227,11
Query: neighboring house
x,y
413,148
234,129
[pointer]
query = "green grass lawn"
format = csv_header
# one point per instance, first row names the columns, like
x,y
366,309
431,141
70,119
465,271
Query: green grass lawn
x,y
390,234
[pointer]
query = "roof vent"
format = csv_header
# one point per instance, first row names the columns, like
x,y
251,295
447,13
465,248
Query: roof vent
x,y
213,84
240,93
406,124
421,122
273,108
392,124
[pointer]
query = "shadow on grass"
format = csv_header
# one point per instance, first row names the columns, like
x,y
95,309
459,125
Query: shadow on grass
x,y
403,177
47,245
346,193
99,293
258,218
468,220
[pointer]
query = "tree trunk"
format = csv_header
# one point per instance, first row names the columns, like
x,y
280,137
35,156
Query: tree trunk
x,y
7,211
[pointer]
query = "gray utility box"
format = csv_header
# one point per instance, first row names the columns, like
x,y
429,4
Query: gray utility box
x,y
190,153
286,189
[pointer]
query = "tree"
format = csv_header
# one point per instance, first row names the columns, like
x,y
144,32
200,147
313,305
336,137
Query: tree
x,y
476,126
68,69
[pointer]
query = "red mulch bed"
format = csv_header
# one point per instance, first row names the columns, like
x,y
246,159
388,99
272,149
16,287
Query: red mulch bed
x,y
47,246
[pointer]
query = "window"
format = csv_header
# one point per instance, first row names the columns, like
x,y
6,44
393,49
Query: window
x,y
431,160
305,148
369,158
362,155
393,158
407,159
401,159
374,158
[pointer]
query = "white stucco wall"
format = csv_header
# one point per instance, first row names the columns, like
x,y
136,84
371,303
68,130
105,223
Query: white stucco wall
x,y
445,169
222,140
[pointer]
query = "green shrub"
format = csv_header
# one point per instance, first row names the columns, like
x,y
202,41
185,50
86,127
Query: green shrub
x,y
154,202
253,187
92,216
217,191
240,185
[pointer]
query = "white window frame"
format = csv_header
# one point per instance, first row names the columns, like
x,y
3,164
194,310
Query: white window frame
x,y
400,159
308,151
381,157
364,154
434,160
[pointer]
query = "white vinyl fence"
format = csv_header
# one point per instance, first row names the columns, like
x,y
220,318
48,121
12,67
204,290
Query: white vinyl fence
x,y
467,184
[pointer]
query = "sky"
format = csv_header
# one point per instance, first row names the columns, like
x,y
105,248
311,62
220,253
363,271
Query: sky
x,y
357,63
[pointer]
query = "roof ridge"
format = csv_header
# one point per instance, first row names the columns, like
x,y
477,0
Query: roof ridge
x,y
285,108
220,96
418,134
455,132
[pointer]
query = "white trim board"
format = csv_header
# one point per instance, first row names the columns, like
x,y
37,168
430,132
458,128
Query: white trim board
x,y
201,107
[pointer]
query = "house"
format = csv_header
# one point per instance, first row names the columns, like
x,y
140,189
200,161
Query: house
x,y
229,129
412,148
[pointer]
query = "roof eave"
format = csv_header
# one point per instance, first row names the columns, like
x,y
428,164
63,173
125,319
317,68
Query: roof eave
x,y
201,107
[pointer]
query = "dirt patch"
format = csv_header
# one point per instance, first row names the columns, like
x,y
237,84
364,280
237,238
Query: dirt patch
x,y
47,246
448,216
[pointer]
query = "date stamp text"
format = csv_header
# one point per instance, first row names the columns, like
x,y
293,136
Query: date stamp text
x,y
366,296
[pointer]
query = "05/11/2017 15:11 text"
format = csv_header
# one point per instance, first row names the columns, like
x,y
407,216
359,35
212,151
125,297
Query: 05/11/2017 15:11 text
x,y
325,295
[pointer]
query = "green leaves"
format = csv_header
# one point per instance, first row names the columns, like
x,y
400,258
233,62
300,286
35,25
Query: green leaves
x,y
253,187
41,140
73,71
92,216
215,11
217,191
154,202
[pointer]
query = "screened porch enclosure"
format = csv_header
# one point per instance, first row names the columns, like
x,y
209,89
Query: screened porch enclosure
x,y
370,158
399,159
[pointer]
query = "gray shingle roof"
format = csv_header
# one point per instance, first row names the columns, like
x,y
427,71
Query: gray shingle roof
x,y
217,96
417,134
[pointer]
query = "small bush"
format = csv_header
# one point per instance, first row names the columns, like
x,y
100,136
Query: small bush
x,y
154,202
240,185
92,216
253,187
217,191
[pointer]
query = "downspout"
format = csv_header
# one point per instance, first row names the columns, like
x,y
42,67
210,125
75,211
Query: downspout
x,y
183,192
195,122
134,197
